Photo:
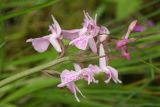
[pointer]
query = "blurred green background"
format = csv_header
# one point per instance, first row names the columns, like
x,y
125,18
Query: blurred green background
x,y
23,19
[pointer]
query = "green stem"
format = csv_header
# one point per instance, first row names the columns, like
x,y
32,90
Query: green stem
x,y
32,71
43,66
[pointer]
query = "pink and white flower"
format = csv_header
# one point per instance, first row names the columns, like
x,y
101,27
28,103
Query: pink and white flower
x,y
122,44
68,79
104,33
87,34
41,44
112,72
88,37
88,73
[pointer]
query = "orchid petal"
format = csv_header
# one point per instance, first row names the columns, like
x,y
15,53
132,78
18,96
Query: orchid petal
x,y
70,34
107,72
55,43
102,60
94,68
130,29
52,29
85,15
132,25
81,42
109,79
39,44
104,30
83,31
77,67
125,53
114,74
92,45
95,19
103,37
121,43
75,95
68,77
89,72
72,88
57,26
79,91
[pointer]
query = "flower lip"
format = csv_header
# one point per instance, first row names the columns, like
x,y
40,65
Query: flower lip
x,y
121,43
68,77
39,44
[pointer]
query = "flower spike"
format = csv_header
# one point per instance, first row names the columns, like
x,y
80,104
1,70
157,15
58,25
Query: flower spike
x,y
90,37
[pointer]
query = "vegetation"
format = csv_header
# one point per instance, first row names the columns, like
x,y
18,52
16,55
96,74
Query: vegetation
x,y
23,80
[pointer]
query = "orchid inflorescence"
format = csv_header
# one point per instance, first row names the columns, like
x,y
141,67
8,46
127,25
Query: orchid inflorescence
x,y
89,37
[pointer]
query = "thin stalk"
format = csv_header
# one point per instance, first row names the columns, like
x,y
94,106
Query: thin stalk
x,y
32,71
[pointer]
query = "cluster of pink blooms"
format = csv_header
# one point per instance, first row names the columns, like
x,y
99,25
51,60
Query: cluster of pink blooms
x,y
90,36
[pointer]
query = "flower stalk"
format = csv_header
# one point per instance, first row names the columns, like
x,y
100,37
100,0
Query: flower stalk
x,y
32,71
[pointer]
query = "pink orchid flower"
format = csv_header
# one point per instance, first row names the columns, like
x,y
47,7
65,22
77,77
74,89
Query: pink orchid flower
x,y
122,44
41,44
112,72
68,79
88,73
87,34
104,33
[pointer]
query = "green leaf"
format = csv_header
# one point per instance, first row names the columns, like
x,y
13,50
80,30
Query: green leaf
x,y
27,10
7,105
127,7
32,87
31,71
